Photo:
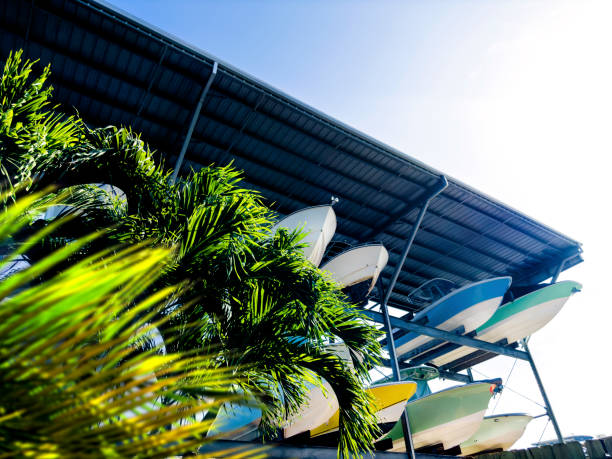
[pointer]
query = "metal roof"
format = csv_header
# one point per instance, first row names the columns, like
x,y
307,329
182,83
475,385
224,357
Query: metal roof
x,y
116,69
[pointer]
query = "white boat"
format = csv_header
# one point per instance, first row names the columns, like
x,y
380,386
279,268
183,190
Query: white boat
x,y
319,407
496,433
359,264
241,422
321,403
319,222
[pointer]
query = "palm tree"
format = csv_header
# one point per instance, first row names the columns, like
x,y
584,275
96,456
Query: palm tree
x,y
73,381
253,301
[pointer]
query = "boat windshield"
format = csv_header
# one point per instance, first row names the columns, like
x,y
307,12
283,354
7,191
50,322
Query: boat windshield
x,y
430,292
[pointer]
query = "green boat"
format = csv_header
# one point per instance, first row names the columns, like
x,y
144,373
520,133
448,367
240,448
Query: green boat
x,y
446,418
496,433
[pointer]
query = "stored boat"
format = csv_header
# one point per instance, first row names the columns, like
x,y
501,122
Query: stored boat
x,y
446,418
519,318
359,264
240,422
420,375
464,309
319,222
496,433
320,405
236,422
390,401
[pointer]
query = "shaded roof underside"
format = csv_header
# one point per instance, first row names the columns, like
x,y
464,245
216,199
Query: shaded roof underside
x,y
115,69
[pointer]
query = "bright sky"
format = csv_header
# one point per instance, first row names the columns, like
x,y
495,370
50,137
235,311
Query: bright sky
x,y
511,97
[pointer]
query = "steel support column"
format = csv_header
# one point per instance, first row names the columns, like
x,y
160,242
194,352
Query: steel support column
x,y
559,268
385,311
557,272
549,410
194,120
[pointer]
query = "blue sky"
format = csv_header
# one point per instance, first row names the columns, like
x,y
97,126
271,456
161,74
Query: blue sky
x,y
511,97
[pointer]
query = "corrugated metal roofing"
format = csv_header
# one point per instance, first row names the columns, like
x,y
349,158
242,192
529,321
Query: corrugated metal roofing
x,y
115,69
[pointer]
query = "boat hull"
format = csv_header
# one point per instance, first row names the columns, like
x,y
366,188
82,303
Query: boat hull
x,y
519,318
319,407
319,224
468,307
239,422
236,422
389,401
357,265
496,433
448,417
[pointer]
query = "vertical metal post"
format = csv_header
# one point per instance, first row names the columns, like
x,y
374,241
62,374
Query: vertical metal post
x,y
470,375
194,119
396,370
385,311
549,410
557,272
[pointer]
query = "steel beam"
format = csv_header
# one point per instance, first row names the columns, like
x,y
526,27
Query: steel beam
x,y
448,336
430,346
549,410
152,79
395,368
194,120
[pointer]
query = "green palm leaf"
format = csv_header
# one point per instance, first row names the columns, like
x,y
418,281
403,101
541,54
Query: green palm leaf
x,y
73,383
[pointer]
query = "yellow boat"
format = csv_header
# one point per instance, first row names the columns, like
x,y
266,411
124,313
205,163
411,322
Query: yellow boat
x,y
389,401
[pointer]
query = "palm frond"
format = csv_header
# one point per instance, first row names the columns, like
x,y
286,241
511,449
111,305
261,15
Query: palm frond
x,y
72,381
